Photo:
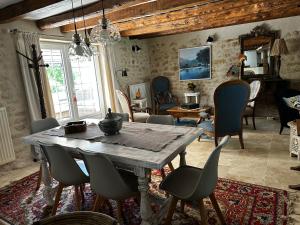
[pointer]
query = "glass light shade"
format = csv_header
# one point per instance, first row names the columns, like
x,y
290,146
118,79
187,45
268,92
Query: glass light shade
x,y
78,48
105,32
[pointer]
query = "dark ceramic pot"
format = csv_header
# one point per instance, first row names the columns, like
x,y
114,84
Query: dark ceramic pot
x,y
111,124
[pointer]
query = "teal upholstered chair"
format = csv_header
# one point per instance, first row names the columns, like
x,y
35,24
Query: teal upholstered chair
x,y
188,183
163,98
230,99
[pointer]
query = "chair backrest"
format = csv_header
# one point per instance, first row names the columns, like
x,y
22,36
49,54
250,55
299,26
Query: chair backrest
x,y
230,100
255,87
160,84
125,103
161,119
105,179
209,176
44,124
63,167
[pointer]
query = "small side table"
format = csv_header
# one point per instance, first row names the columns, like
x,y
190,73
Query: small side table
x,y
142,102
188,95
294,140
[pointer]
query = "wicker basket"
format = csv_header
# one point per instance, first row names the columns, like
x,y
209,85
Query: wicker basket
x,y
78,218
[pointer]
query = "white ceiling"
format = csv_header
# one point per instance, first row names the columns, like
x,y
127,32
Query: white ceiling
x,y
4,3
57,8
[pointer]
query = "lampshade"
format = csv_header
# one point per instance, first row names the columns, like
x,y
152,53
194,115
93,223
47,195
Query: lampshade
x,y
279,48
78,48
105,32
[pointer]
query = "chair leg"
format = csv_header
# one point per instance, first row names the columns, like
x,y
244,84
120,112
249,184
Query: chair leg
x,y
171,210
202,213
253,121
163,174
182,204
217,208
99,201
199,138
281,129
246,120
171,166
120,212
241,140
77,198
39,179
81,187
57,198
216,141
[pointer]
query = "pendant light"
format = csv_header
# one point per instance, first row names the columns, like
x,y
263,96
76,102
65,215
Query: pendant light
x,y
91,50
77,47
105,32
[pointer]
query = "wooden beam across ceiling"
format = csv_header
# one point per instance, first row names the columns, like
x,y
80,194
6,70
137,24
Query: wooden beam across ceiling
x,y
19,9
137,9
225,14
91,10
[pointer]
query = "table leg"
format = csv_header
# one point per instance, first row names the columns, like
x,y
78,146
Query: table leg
x,y
182,158
145,208
48,191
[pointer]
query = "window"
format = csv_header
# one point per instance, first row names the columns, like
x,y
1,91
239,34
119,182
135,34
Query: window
x,y
75,85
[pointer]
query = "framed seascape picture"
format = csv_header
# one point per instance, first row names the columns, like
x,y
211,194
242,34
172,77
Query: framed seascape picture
x,y
195,63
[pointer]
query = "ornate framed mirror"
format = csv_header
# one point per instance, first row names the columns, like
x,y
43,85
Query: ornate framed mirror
x,y
256,46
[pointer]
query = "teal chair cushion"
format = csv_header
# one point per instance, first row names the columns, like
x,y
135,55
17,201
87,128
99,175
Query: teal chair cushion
x,y
207,126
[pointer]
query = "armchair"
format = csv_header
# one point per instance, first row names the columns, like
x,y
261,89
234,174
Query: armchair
x,y
163,98
286,113
255,90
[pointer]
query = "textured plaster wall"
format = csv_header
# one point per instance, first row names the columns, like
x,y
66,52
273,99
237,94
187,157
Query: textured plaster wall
x,y
225,50
12,93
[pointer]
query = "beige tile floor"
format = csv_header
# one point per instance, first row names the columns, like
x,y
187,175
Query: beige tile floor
x,y
265,159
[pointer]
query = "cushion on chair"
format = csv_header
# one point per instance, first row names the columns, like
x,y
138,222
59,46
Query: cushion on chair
x,y
187,175
164,107
140,117
82,166
207,126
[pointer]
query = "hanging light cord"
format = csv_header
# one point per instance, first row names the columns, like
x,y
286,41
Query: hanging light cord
x,y
73,12
83,19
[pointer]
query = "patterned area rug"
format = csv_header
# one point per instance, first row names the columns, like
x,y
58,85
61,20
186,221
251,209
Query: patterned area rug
x,y
241,203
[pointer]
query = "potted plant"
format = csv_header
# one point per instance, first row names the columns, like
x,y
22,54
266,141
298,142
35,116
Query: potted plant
x,y
191,86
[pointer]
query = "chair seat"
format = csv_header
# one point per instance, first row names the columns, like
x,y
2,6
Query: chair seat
x,y
207,126
140,117
82,166
248,111
164,107
187,175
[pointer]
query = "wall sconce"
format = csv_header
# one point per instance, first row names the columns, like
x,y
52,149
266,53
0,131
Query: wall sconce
x,y
123,72
211,39
136,48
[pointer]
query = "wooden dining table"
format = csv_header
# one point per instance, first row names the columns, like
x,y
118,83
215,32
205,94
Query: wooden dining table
x,y
140,161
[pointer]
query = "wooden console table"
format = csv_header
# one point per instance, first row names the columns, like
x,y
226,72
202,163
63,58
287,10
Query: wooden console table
x,y
179,112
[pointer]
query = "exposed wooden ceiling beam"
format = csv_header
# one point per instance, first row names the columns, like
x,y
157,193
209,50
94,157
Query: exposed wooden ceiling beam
x,y
266,10
67,17
19,9
144,8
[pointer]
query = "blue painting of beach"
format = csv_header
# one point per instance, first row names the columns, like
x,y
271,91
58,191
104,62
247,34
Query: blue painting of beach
x,y
195,63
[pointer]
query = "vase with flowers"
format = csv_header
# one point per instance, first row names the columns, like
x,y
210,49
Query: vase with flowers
x,y
191,87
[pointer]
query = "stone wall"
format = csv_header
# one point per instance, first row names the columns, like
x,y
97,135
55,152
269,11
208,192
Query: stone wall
x,y
225,50
136,63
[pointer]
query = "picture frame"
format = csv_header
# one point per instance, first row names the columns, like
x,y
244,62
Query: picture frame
x,y
195,63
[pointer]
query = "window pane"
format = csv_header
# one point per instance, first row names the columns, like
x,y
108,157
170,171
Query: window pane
x,y
86,89
56,76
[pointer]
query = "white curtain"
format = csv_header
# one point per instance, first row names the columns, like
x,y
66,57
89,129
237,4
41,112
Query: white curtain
x,y
24,41
107,64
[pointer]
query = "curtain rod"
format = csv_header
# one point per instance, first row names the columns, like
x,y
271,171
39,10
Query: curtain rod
x,y
41,34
